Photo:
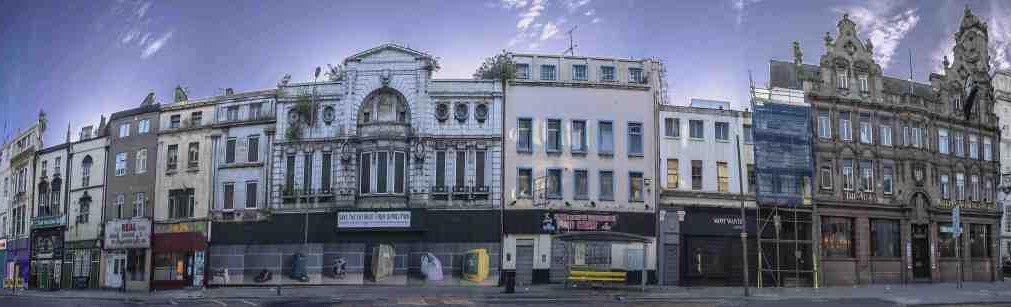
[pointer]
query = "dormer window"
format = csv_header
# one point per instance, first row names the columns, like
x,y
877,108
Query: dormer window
x,y
864,84
841,79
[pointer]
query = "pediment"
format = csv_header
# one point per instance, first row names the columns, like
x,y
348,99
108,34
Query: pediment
x,y
389,51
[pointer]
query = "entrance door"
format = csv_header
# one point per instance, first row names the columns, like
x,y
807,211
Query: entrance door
x,y
114,270
43,273
706,262
670,264
921,252
524,262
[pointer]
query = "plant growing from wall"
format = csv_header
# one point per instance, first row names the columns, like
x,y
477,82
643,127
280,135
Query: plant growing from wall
x,y
294,131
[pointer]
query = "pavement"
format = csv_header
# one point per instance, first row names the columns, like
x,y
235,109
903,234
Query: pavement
x,y
944,294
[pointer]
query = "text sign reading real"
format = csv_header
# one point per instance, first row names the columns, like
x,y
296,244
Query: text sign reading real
x,y
374,219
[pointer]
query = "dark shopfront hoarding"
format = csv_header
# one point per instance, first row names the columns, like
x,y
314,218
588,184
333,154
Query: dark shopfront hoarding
x,y
425,225
380,246
711,246
783,161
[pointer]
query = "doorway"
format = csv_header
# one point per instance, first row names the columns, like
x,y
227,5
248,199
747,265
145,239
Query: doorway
x,y
114,270
921,252
524,261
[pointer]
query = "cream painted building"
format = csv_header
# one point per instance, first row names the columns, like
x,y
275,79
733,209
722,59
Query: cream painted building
x,y
580,155
701,183
86,184
183,192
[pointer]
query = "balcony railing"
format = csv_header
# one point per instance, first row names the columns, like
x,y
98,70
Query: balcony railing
x,y
460,193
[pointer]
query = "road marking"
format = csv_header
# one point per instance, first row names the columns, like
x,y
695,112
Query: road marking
x,y
248,302
219,302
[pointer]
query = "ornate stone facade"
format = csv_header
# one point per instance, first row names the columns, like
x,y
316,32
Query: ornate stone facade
x,y
893,156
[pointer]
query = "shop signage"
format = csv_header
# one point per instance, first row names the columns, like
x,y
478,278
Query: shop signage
x,y
48,221
950,203
3,244
134,233
909,255
563,222
374,219
180,227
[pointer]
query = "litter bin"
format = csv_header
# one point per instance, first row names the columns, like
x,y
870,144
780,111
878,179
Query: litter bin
x,y
298,270
510,281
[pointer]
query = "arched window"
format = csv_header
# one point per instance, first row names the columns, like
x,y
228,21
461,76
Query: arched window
x,y
384,105
86,171
54,203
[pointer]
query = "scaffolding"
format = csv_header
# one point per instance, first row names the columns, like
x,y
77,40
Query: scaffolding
x,y
785,247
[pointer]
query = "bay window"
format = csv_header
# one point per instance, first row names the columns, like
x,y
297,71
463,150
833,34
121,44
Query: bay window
x,y
385,172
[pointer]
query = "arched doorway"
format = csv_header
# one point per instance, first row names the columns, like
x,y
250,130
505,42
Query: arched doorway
x,y
919,244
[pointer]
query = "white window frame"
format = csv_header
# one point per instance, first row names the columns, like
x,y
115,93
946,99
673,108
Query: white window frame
x,y
143,126
124,130
824,125
942,141
140,158
121,162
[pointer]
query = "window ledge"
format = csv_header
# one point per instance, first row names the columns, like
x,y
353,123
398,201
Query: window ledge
x,y
671,137
524,151
697,139
635,155
723,140
605,154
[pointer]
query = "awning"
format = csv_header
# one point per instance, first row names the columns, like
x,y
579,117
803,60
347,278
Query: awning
x,y
602,236
179,242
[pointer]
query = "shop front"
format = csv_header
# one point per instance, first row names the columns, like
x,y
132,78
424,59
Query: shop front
x,y
3,258
385,247
17,260
179,251
538,258
918,243
82,265
46,261
711,249
126,254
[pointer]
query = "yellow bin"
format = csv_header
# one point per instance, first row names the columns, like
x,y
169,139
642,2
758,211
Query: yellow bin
x,y
475,265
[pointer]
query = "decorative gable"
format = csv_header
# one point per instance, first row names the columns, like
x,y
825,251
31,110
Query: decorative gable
x,y
389,51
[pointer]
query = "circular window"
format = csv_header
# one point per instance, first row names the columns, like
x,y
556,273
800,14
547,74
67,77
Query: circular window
x,y
460,112
292,115
481,112
328,114
442,112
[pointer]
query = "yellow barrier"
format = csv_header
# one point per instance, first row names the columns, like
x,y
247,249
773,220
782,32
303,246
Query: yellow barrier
x,y
597,276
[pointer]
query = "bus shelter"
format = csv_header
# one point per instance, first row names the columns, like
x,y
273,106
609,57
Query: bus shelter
x,y
588,257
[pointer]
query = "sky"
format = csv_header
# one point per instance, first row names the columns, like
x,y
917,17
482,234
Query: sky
x,y
78,60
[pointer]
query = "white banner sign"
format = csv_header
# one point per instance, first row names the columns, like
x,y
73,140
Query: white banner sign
x,y
374,219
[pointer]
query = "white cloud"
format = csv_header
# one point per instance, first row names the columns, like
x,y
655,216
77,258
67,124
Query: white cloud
x,y
156,45
574,5
879,22
549,30
530,15
1000,39
541,20
740,6
514,4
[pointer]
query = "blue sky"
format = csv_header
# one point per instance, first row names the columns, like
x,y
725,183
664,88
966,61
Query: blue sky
x,y
80,59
